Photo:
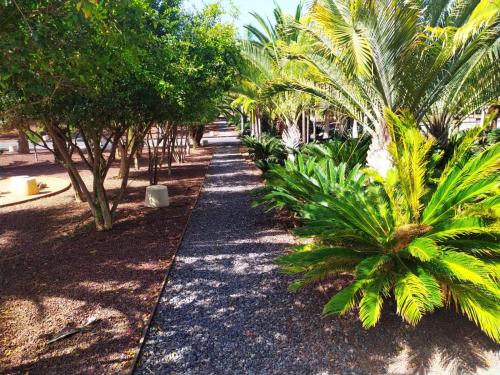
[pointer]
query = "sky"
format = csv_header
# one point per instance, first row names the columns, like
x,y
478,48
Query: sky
x,y
263,7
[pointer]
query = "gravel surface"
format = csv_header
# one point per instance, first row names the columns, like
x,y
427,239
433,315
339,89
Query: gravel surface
x,y
226,308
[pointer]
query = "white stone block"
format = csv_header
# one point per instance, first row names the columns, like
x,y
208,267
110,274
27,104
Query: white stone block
x,y
157,196
23,185
211,133
12,148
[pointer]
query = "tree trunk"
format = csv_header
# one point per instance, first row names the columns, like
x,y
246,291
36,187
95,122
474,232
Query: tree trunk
x,y
81,192
58,157
355,133
378,156
315,134
196,133
252,124
138,155
308,128
259,126
79,195
303,127
122,149
23,146
102,214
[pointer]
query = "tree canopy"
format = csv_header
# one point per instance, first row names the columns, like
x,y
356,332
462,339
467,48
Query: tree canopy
x,y
110,69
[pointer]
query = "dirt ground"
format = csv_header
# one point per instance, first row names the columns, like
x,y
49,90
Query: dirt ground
x,y
56,271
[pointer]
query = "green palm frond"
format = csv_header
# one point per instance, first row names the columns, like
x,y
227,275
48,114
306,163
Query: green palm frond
x,y
479,306
345,300
416,294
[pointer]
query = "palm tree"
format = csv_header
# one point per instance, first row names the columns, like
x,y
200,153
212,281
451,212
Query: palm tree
x,y
265,63
437,59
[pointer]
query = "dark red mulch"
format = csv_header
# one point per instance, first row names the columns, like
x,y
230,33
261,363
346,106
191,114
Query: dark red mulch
x,y
57,271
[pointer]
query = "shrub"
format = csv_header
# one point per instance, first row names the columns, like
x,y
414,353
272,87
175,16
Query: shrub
x,y
265,151
299,181
425,245
350,152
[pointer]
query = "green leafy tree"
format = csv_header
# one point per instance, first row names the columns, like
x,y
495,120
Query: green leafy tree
x,y
103,73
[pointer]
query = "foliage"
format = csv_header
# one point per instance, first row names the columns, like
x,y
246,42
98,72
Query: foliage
x,y
437,59
492,136
265,151
426,245
108,71
263,62
300,180
350,151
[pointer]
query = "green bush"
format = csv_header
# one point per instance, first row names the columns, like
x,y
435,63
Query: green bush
x,y
350,152
265,151
427,245
299,181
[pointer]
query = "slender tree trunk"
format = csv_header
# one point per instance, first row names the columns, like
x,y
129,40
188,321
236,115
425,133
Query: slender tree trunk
x,y
303,127
242,130
327,126
137,157
35,151
79,195
58,157
103,219
355,129
315,135
23,146
252,126
308,129
259,126
81,191
122,149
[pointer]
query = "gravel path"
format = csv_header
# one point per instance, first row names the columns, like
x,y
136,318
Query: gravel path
x,y
226,308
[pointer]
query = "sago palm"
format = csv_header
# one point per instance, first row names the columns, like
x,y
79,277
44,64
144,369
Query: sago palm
x,y
351,151
265,151
427,244
299,181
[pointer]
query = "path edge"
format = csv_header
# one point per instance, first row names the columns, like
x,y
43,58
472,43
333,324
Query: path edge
x,y
145,331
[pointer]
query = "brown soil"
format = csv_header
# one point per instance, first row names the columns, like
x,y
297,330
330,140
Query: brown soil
x,y
57,271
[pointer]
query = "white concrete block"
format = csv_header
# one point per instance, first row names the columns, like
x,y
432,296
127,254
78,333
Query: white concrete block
x,y
157,196
23,185
12,148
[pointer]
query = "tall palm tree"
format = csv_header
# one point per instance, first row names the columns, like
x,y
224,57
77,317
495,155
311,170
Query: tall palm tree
x,y
266,63
428,57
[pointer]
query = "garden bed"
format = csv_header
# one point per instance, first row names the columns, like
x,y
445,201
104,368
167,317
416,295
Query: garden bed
x,y
58,272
